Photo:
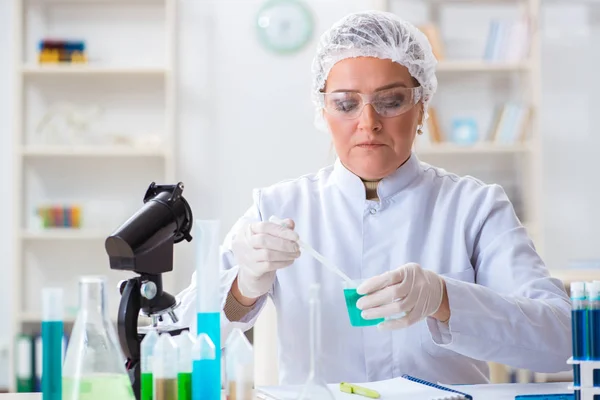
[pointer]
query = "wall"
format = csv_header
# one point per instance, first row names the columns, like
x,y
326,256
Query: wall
x,y
6,121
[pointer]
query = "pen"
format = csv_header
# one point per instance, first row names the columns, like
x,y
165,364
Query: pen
x,y
355,389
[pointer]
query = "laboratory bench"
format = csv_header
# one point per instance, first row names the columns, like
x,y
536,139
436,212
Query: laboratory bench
x,y
504,391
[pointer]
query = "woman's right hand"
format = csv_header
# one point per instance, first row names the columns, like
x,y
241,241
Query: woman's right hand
x,y
261,248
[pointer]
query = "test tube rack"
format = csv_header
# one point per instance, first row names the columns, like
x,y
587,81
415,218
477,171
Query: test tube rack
x,y
585,390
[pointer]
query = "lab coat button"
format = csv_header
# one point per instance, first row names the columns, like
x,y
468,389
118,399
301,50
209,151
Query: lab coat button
x,y
373,211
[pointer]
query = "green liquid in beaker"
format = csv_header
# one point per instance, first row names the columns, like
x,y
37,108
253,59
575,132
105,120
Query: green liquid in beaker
x,y
354,313
98,387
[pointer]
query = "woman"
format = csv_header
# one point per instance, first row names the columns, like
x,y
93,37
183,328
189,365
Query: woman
x,y
447,250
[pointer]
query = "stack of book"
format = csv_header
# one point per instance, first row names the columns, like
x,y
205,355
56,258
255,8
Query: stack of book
x,y
508,41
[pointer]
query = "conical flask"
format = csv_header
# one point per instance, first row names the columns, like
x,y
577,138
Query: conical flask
x,y
94,366
315,386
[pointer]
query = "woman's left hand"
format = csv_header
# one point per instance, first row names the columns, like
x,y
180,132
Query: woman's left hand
x,y
418,292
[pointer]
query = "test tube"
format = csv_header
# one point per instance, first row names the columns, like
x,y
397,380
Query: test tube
x,y
239,367
205,386
185,344
593,292
578,327
164,369
146,353
208,305
52,343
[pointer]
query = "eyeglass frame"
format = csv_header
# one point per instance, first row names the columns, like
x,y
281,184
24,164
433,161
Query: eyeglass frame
x,y
417,90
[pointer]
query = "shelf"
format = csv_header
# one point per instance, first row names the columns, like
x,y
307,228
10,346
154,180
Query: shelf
x,y
482,148
35,318
481,66
568,275
90,69
64,234
89,151
32,318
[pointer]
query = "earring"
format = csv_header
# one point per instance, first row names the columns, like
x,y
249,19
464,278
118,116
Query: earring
x,y
420,130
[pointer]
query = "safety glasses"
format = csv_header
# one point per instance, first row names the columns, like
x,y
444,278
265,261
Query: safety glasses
x,y
387,103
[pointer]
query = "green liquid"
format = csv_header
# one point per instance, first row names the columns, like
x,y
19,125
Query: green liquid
x,y
98,387
184,386
146,386
354,313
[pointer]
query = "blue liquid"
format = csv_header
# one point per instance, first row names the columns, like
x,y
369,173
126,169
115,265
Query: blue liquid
x,y
594,347
206,380
52,358
580,344
206,374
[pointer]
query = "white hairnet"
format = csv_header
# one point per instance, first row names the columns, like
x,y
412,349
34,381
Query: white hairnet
x,y
374,34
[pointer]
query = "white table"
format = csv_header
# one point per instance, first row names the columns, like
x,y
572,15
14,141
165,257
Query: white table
x,y
479,392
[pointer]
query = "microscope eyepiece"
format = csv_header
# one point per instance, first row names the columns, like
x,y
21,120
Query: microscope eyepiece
x,y
144,243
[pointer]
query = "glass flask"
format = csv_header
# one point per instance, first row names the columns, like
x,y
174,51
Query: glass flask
x,y
94,366
315,386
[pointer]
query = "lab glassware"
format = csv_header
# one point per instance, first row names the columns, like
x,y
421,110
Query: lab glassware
x,y
94,366
146,353
315,386
208,306
52,343
239,366
164,368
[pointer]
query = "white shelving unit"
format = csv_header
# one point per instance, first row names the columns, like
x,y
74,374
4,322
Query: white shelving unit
x,y
454,71
130,78
460,74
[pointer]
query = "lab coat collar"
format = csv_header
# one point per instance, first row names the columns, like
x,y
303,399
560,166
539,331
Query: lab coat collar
x,y
392,184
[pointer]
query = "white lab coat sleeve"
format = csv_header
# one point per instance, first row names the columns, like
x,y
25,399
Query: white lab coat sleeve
x,y
514,313
229,271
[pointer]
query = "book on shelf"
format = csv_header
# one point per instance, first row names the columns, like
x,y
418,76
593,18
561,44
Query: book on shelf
x,y
511,123
432,33
508,40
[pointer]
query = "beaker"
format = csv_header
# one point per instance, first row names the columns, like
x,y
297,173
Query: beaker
x,y
351,297
315,386
94,366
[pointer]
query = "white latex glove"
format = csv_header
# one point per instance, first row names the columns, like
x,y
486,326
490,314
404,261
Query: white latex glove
x,y
262,248
410,289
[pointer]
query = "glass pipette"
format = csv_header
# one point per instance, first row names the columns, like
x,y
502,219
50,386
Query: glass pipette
x,y
308,248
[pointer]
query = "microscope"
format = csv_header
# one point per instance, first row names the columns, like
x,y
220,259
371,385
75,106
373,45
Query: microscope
x,y
144,245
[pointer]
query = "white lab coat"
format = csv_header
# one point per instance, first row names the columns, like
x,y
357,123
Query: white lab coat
x,y
505,307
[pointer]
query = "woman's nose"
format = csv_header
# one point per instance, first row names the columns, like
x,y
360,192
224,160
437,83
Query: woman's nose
x,y
369,119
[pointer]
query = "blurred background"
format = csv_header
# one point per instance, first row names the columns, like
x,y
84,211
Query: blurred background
x,y
98,98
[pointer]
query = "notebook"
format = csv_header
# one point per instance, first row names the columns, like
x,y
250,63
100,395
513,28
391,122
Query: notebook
x,y
392,389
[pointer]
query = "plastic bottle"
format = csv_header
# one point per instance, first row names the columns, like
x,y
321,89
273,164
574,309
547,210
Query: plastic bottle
x,y
239,366
185,343
204,384
164,369
146,354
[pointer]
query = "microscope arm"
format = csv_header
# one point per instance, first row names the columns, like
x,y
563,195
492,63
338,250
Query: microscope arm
x,y
127,319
